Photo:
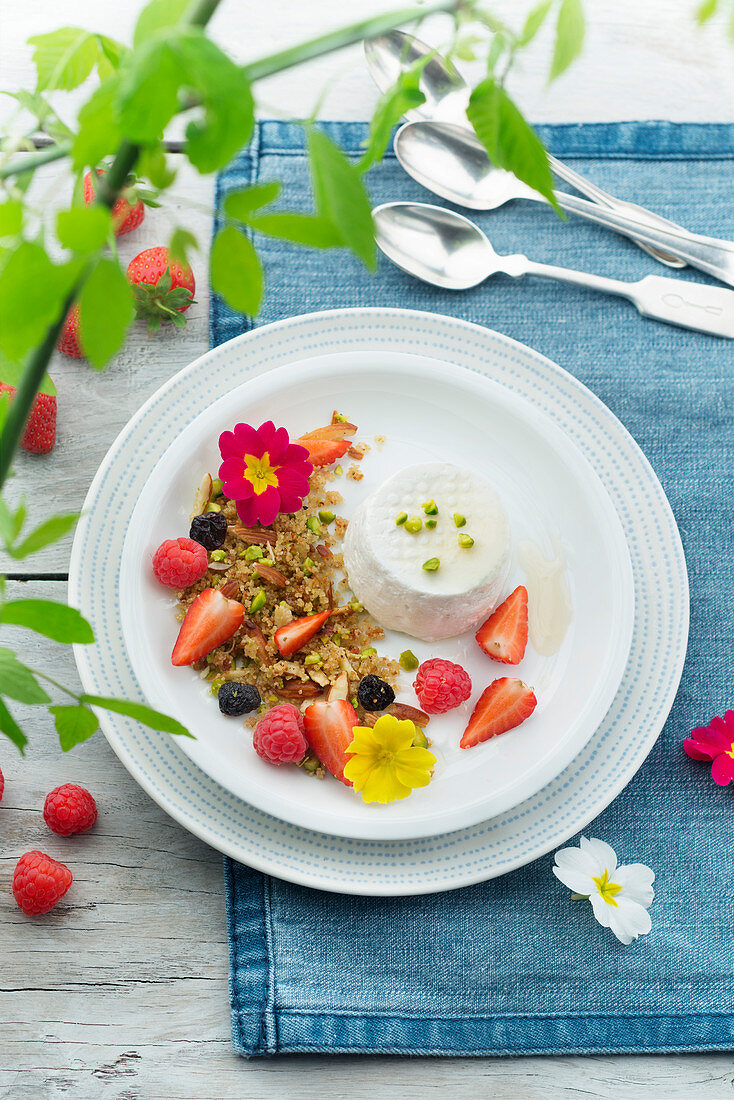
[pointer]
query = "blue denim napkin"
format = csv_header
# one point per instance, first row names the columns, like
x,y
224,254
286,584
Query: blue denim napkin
x,y
513,966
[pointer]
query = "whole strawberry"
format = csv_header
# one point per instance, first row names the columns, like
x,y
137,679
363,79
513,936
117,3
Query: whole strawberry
x,y
69,809
40,433
127,213
163,288
39,882
69,342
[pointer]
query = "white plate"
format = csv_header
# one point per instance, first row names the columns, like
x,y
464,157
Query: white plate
x,y
568,803
427,411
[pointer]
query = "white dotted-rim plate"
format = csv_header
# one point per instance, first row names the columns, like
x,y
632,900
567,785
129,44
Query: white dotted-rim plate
x,y
380,867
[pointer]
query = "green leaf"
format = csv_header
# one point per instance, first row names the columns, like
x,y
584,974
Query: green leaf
x,y
109,56
148,91
149,717
240,204
83,228
510,141
706,10
12,369
50,531
99,126
533,23
32,290
156,16
229,112
64,58
106,311
569,36
11,729
396,101
236,273
74,724
153,165
341,197
306,229
17,681
11,218
181,243
53,620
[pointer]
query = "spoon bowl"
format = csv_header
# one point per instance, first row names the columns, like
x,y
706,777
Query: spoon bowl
x,y
435,245
446,91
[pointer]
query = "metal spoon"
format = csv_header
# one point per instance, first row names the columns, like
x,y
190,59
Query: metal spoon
x,y
447,97
444,248
450,161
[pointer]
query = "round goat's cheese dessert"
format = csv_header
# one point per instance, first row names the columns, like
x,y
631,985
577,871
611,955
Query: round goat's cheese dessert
x,y
434,582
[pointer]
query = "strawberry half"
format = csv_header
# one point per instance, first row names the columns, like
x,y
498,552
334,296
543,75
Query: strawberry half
x,y
322,452
504,636
210,620
502,706
40,431
293,636
329,731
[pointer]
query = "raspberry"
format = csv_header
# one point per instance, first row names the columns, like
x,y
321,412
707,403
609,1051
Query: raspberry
x,y
279,736
39,882
69,809
177,563
441,685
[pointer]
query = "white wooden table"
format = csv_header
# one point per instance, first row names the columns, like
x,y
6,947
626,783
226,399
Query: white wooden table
x,y
122,992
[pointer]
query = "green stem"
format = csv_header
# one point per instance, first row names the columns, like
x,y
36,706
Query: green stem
x,y
346,36
56,684
28,162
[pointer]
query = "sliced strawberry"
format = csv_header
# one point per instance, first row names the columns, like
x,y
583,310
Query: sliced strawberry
x,y
329,731
341,429
322,452
504,636
294,635
210,620
502,706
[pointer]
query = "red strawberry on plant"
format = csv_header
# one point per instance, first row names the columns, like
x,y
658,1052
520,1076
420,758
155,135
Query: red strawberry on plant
x,y
40,432
504,636
506,703
69,341
163,288
329,732
127,213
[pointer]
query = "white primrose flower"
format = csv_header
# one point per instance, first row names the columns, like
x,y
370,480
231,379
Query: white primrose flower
x,y
619,896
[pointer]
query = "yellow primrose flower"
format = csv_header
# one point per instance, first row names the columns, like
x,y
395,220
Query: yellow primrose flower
x,y
384,763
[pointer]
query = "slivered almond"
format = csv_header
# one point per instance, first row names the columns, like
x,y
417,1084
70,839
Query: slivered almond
x,y
219,566
370,718
340,688
273,576
319,677
401,711
356,452
253,535
299,689
203,496
252,630
230,589
323,551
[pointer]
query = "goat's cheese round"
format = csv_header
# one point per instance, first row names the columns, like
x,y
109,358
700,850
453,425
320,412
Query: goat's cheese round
x,y
384,562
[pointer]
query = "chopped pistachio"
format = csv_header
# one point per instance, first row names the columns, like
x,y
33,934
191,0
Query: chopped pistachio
x,y
216,684
308,566
413,525
211,507
400,519
311,764
431,523
430,508
459,520
368,651
355,701
253,553
218,555
313,525
312,659
431,565
336,639
339,418
408,660
466,542
338,470
258,601
420,739
326,516
216,487
356,605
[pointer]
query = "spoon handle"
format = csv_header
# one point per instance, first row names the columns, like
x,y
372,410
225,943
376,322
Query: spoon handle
x,y
676,301
715,257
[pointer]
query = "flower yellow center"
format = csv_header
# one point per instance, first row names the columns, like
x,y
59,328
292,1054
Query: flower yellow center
x,y
260,473
607,889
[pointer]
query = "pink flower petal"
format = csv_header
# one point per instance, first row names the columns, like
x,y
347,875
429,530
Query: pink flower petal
x,y
267,505
719,739
278,447
296,453
232,467
722,770
248,440
265,434
228,445
247,511
698,751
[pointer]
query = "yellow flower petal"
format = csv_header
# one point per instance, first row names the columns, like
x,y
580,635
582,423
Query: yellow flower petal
x,y
364,741
383,786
